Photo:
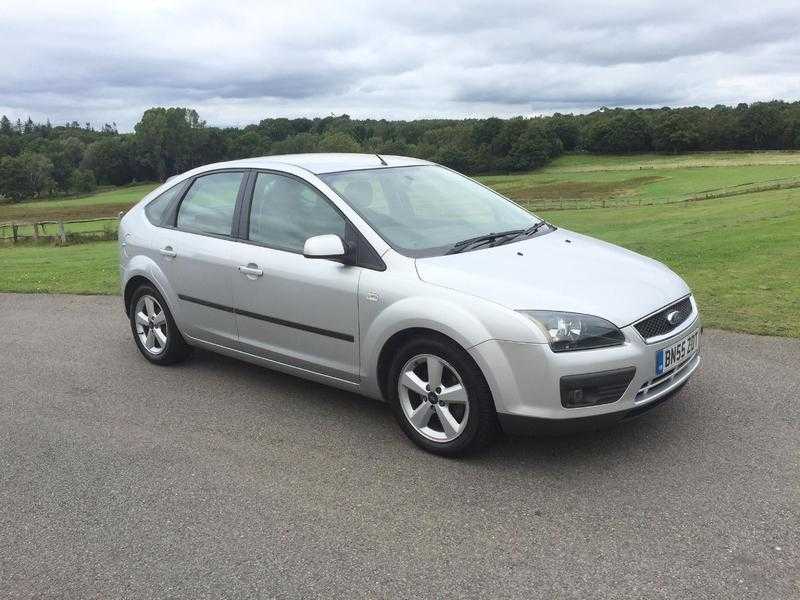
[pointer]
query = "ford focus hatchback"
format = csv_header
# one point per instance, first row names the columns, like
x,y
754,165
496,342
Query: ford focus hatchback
x,y
404,281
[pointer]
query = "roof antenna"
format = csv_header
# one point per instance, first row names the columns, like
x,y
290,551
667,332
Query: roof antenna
x,y
383,162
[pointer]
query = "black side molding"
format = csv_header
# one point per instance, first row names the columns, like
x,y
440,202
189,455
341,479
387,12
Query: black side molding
x,y
324,332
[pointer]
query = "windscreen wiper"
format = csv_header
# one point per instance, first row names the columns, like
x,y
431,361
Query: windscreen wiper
x,y
531,230
479,240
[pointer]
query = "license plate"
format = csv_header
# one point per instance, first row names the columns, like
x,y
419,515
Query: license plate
x,y
672,356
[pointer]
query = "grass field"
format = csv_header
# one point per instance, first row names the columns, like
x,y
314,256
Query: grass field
x,y
80,269
104,204
649,179
740,254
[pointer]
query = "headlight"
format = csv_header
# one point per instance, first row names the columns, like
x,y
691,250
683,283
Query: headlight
x,y
573,331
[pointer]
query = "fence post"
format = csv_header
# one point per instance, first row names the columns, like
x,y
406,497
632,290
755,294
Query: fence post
x,y
61,233
14,232
36,232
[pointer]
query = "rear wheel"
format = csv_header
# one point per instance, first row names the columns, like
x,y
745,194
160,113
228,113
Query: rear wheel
x,y
154,329
440,397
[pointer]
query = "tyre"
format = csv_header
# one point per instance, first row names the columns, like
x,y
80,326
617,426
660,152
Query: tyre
x,y
154,329
440,397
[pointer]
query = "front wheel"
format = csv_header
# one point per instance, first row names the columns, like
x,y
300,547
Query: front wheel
x,y
440,397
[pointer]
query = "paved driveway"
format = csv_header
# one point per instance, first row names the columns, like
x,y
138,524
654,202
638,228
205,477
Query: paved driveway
x,y
217,478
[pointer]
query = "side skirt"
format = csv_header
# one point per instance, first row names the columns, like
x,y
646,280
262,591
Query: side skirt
x,y
344,384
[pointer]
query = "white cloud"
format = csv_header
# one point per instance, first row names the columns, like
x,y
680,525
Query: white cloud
x,y
238,62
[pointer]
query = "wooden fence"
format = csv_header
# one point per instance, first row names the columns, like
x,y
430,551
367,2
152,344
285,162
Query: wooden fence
x,y
544,204
59,232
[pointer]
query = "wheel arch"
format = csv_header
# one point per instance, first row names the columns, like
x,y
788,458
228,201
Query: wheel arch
x,y
395,342
143,270
130,287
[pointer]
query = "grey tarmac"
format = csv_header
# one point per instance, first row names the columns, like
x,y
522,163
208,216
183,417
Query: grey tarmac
x,y
216,478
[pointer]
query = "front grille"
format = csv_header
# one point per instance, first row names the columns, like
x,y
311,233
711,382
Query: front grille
x,y
657,324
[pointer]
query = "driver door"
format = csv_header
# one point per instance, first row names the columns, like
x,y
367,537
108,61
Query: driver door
x,y
291,309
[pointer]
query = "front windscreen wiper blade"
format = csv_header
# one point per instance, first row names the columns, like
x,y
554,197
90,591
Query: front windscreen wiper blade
x,y
530,230
479,240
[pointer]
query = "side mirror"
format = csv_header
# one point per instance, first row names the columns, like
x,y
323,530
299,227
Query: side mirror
x,y
328,246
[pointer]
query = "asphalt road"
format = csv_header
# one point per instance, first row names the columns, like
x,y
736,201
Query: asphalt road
x,y
218,478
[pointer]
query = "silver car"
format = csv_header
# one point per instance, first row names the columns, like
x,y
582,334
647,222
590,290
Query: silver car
x,y
407,282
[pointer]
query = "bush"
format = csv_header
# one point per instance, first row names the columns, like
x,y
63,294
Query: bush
x,y
82,181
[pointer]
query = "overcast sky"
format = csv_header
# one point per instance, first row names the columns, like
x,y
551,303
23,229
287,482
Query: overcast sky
x,y
238,62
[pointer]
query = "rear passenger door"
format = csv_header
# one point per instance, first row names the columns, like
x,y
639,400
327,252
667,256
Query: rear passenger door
x,y
194,252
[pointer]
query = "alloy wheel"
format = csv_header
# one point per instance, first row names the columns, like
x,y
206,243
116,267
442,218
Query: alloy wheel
x,y
433,398
151,324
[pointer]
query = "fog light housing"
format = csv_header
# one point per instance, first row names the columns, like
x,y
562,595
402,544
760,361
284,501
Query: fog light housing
x,y
593,389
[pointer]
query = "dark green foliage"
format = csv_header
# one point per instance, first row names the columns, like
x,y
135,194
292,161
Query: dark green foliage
x,y
168,141
762,125
82,181
111,160
25,176
39,159
675,132
486,130
533,147
13,182
566,129
338,141
296,144
250,143
623,132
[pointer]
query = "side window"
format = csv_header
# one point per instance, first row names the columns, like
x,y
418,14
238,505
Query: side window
x,y
209,204
155,208
286,212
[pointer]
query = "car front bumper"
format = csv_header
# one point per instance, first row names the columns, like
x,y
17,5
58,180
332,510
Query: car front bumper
x,y
525,380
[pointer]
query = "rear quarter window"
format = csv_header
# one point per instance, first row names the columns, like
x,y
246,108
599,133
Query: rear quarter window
x,y
156,208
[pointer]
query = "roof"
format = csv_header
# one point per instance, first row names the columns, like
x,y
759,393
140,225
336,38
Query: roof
x,y
331,162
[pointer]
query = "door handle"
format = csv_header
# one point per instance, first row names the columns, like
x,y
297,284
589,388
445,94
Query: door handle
x,y
251,270
168,251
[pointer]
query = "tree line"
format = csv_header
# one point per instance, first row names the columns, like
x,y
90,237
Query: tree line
x,y
39,159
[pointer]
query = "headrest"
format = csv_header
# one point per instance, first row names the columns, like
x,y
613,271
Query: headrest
x,y
359,193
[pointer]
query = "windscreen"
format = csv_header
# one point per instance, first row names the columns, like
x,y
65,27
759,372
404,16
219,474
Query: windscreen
x,y
425,210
